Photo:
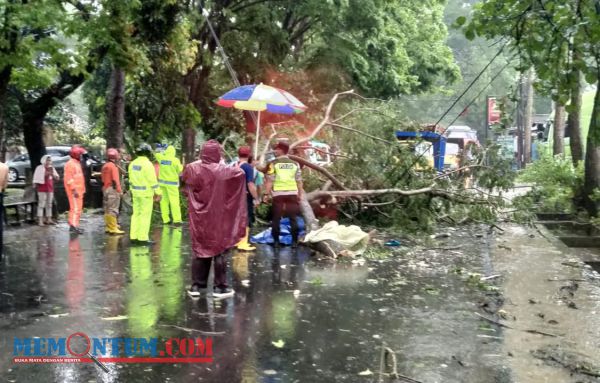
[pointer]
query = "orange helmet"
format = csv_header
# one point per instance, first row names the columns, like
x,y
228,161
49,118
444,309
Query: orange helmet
x,y
77,151
112,154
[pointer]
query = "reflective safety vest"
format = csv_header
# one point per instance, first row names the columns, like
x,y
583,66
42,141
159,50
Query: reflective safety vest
x,y
169,167
142,178
284,171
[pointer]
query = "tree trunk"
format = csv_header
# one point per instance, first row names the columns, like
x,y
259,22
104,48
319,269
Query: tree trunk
x,y
33,126
592,160
520,118
189,145
5,76
574,121
558,133
115,109
528,118
310,221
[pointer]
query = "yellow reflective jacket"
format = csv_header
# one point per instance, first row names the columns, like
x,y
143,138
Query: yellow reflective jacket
x,y
284,174
142,178
169,167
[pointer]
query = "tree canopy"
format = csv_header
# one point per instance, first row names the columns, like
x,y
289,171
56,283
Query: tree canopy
x,y
558,38
314,47
173,68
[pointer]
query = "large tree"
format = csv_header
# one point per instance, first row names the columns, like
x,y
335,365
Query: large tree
x,y
313,48
543,32
383,48
48,48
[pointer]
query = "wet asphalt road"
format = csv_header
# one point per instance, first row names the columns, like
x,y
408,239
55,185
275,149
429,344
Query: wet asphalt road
x,y
294,318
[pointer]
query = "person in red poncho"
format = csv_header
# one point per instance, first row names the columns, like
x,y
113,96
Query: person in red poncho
x,y
216,196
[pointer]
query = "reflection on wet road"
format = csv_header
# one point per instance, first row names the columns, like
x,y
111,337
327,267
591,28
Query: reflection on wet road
x,y
293,318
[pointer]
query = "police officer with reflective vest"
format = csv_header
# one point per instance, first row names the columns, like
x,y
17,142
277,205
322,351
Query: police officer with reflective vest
x,y
144,191
169,169
284,184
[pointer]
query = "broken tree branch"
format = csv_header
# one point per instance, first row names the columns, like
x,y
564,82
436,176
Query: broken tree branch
x,y
460,170
318,194
378,204
323,151
355,111
359,132
324,122
337,183
261,160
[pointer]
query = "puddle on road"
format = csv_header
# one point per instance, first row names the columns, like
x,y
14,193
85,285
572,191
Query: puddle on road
x,y
292,319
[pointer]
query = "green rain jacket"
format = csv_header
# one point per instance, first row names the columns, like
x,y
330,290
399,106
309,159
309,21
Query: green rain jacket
x,y
169,167
142,178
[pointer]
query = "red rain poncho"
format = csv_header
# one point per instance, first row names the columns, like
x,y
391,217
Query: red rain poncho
x,y
216,197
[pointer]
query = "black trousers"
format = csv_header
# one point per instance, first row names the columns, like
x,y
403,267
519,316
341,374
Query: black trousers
x,y
201,270
250,207
285,206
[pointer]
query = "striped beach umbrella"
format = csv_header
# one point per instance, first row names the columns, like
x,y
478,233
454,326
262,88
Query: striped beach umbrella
x,y
261,98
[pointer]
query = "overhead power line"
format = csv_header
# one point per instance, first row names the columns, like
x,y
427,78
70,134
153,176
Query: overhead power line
x,y
418,158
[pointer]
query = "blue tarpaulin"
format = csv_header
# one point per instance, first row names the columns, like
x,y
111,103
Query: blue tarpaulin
x,y
285,235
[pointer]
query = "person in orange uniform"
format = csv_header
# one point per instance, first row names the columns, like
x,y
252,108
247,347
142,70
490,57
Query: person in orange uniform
x,y
75,187
111,192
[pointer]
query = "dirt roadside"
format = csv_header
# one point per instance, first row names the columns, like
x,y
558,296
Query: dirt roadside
x,y
547,289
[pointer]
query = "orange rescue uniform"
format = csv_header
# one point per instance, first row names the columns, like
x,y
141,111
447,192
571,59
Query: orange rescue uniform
x,y
110,177
74,182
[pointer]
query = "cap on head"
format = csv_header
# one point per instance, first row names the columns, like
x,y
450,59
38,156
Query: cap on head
x,y
244,152
112,154
77,151
283,146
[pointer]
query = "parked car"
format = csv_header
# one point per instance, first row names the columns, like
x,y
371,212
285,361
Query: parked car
x,y
18,166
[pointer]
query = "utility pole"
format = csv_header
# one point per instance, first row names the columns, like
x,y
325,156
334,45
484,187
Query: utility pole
x,y
520,118
528,118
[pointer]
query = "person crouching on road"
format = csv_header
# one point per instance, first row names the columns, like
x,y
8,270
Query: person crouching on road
x,y
251,195
168,178
144,191
111,192
284,186
216,195
74,182
43,179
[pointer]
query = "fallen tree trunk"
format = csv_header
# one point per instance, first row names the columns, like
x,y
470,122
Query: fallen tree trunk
x,y
310,220
337,183
319,194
